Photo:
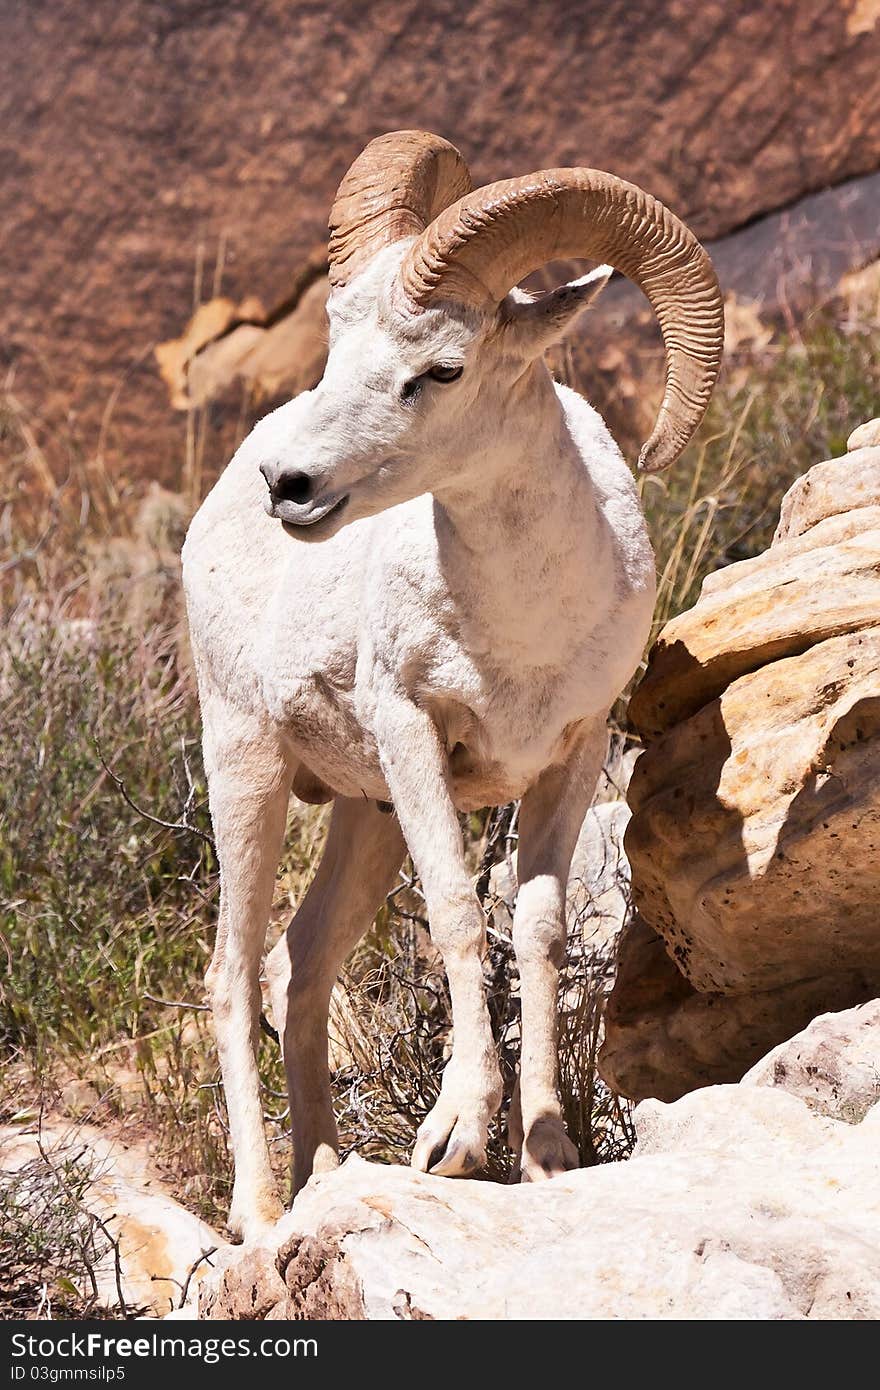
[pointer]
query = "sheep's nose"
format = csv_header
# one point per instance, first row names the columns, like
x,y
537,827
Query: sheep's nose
x,y
288,486
293,487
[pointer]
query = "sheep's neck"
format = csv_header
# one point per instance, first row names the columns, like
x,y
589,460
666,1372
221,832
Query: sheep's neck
x,y
522,545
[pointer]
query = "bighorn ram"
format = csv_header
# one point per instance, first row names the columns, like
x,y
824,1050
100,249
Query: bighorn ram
x,y
424,583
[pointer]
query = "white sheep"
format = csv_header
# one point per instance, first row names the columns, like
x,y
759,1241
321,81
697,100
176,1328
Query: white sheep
x,y
424,583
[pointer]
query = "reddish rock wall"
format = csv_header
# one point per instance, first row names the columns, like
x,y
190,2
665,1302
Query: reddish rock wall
x,y
141,144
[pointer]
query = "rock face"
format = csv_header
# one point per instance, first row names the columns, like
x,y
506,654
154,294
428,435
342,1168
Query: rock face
x,y
155,156
663,1037
756,805
752,1201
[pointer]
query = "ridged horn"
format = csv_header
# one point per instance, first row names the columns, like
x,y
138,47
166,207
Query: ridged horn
x,y
394,189
481,246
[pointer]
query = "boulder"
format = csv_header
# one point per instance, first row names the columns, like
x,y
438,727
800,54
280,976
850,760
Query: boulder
x,y
756,823
756,804
822,582
832,1066
866,436
748,1201
832,489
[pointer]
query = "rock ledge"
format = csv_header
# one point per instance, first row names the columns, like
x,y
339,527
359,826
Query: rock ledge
x,y
753,1201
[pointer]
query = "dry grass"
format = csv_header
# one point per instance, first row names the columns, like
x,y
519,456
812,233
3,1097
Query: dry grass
x,y
773,416
106,913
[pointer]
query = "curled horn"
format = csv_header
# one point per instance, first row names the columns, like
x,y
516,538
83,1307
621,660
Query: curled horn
x,y
481,246
393,190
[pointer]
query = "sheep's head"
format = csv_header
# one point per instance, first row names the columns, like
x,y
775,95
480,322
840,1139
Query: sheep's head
x,y
426,324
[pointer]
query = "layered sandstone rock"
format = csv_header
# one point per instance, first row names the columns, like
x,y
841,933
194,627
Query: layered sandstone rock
x,y
664,1038
756,805
225,346
750,1201
866,436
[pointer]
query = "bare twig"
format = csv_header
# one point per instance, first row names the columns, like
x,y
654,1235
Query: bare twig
x,y
177,1003
182,825
184,1287
93,1219
267,1028
205,1255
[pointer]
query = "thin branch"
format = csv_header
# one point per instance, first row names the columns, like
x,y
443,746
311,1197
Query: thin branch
x,y
206,1255
31,552
177,1003
95,1219
177,826
266,1027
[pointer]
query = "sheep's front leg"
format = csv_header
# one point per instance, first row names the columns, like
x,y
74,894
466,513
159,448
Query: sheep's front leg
x,y
452,1139
551,816
249,779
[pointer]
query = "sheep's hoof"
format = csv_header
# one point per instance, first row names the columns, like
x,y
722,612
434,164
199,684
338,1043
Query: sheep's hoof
x,y
249,1221
547,1152
449,1149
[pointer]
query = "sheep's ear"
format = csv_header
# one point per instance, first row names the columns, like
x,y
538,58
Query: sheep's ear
x,y
535,323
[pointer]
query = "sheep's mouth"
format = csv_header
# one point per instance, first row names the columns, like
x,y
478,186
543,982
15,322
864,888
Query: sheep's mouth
x,y
315,522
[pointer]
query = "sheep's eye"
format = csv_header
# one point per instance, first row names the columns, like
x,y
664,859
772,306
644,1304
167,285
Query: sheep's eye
x,y
443,371
411,390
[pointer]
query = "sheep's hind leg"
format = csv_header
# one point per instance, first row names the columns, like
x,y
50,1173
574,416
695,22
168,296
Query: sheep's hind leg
x,y
551,816
249,788
364,851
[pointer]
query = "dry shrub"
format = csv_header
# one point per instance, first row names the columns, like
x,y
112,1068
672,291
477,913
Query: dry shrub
x,y
52,1246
